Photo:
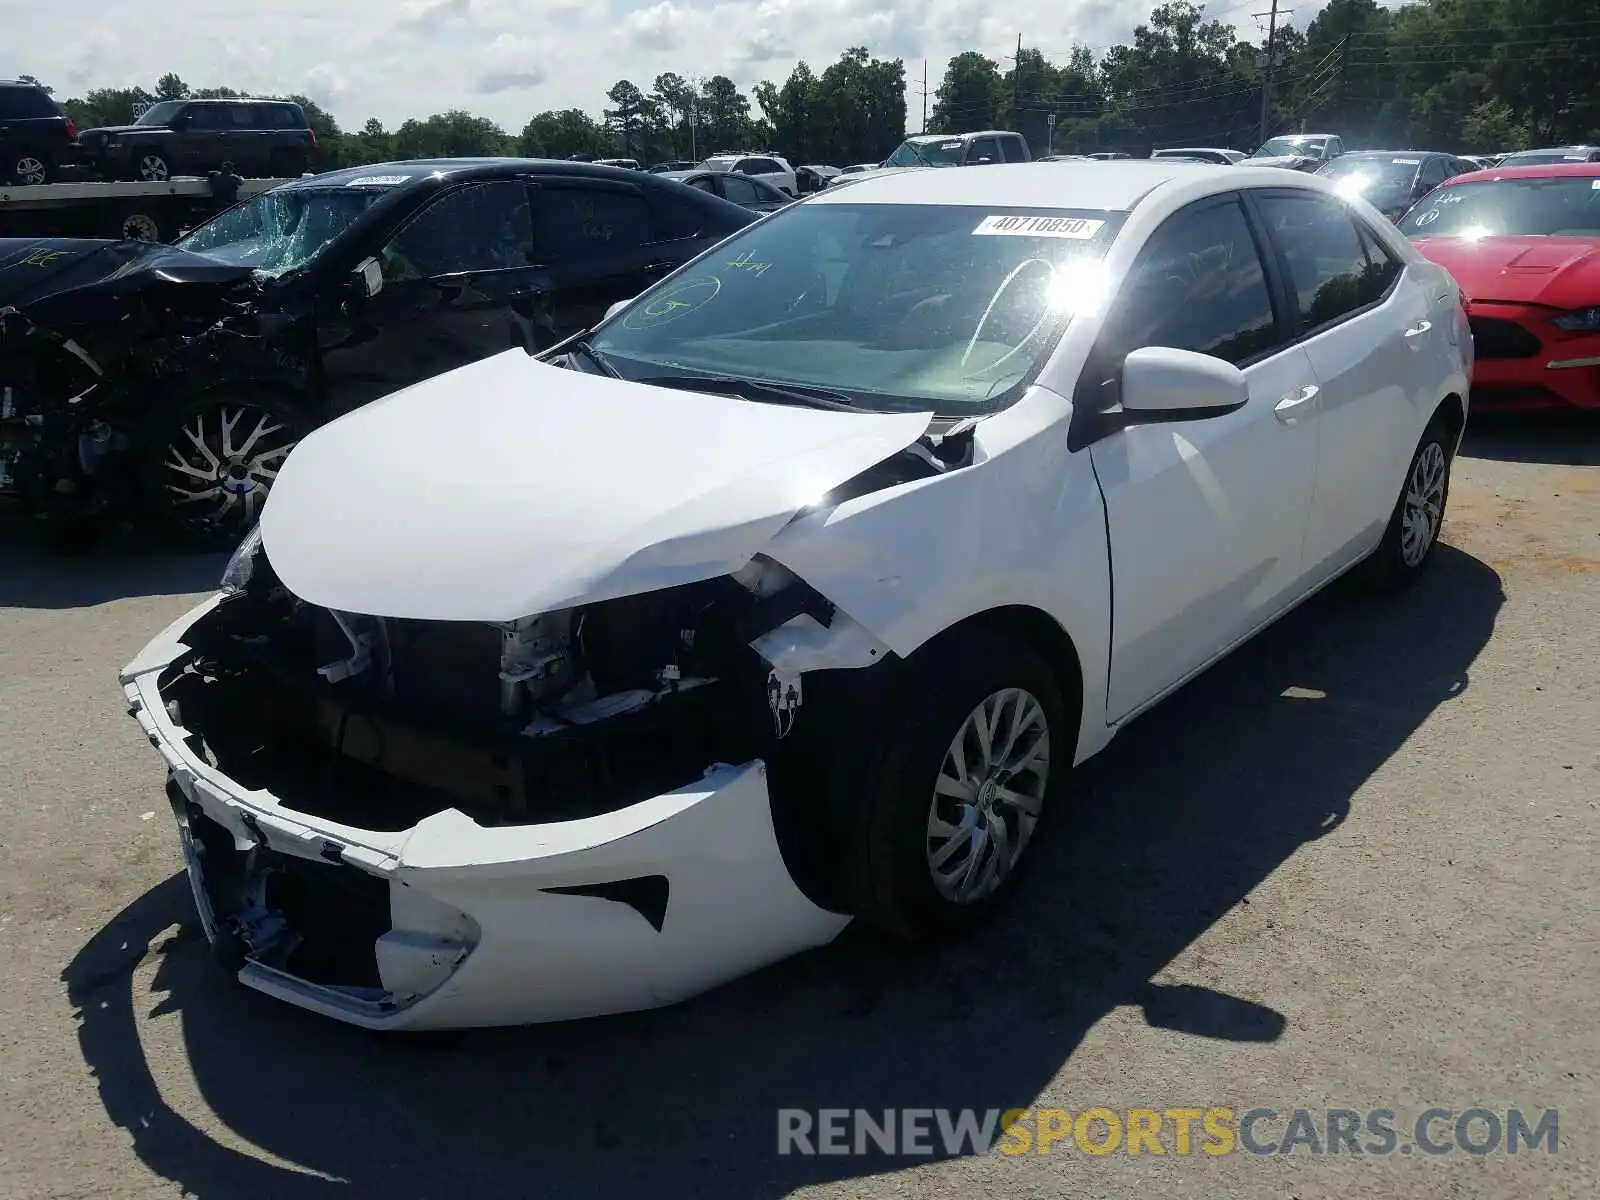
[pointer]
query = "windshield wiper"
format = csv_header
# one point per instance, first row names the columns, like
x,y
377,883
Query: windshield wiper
x,y
581,346
758,389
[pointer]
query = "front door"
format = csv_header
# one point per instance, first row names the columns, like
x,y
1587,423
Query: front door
x,y
458,286
1206,518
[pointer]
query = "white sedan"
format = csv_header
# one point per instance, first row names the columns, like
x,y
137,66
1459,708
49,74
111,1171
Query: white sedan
x,y
792,593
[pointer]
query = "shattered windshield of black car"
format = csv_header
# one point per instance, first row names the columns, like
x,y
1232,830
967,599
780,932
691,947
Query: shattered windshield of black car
x,y
283,230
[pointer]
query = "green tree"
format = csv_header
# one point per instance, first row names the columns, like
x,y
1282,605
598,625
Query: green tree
x,y
563,134
970,96
170,87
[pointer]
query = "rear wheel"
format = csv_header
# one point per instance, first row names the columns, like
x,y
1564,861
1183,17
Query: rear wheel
x,y
210,465
966,780
1412,534
27,168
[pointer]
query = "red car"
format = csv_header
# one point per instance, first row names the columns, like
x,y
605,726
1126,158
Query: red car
x,y
1524,245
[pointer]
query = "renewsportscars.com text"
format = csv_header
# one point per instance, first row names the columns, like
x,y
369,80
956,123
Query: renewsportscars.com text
x,y
1177,1131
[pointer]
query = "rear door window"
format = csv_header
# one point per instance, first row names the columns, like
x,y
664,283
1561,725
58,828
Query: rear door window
x,y
1016,150
1333,269
576,223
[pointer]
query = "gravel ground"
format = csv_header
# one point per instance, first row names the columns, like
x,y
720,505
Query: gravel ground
x,y
1352,866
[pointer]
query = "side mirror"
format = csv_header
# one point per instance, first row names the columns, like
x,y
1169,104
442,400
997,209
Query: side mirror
x,y
367,279
1163,384
617,307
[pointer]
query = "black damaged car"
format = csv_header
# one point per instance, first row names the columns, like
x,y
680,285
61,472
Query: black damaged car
x,y
171,381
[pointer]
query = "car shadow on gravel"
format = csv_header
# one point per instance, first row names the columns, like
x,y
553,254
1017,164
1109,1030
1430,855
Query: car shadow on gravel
x,y
121,564
1565,439
1179,821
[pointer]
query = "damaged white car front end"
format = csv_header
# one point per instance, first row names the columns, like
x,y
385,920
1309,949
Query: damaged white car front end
x,y
448,760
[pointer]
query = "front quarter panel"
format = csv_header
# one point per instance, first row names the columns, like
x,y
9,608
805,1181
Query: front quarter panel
x,y
1024,525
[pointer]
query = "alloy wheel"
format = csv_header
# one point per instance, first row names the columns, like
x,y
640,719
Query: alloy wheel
x,y
220,467
30,169
153,168
988,796
1424,504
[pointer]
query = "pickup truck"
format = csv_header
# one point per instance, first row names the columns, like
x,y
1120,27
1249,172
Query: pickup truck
x,y
976,149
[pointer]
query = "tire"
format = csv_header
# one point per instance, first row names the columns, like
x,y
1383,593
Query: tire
x,y
27,168
148,166
285,164
894,842
138,223
208,498
1412,535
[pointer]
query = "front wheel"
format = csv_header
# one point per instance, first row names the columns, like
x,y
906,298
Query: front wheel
x,y
210,466
151,166
1412,534
974,763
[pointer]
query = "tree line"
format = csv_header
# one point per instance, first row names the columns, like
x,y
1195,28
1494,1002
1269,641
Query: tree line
x,y
1459,75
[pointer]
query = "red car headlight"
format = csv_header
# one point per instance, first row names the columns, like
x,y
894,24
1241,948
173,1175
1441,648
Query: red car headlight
x,y
1581,320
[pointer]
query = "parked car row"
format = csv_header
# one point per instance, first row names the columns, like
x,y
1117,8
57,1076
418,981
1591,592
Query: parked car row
x,y
787,593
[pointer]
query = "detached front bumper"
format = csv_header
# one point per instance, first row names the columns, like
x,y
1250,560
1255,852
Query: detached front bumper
x,y
485,925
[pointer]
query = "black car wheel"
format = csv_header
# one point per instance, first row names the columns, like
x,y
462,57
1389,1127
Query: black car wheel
x,y
210,465
151,166
973,764
27,168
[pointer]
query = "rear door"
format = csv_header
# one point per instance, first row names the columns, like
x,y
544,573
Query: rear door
x,y
1367,332
459,285
1206,518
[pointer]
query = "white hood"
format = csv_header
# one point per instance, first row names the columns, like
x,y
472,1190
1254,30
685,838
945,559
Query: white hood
x,y
511,487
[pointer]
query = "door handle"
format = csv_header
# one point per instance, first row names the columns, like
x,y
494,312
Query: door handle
x,y
1287,409
1420,328
663,265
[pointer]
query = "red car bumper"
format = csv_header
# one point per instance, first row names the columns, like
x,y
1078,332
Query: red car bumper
x,y
1524,362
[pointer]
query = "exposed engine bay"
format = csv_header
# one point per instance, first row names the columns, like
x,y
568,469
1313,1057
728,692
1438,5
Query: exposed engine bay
x,y
380,722
99,340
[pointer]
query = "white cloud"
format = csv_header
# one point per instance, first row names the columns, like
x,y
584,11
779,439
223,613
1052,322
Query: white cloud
x,y
508,59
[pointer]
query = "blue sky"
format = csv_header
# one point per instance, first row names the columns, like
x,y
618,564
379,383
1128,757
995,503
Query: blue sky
x,y
508,59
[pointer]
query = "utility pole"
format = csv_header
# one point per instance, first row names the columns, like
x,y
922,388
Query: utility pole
x,y
1344,57
1016,70
924,95
1272,53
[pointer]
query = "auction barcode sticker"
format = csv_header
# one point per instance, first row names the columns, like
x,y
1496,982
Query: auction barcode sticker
x,y
1059,227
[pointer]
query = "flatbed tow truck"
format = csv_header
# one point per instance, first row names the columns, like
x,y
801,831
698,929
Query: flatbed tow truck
x,y
149,212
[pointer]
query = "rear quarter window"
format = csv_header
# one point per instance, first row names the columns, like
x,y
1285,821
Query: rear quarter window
x,y
25,102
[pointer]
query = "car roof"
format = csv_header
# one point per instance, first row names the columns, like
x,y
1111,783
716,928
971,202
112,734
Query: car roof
x,y
238,100
1110,186
418,169
1575,170
921,138
1391,153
